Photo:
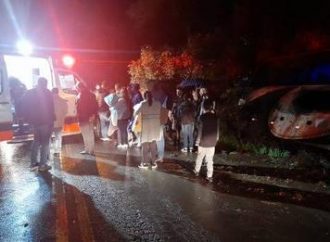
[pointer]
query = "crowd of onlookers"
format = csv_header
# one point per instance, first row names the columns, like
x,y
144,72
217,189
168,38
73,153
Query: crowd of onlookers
x,y
118,108
129,117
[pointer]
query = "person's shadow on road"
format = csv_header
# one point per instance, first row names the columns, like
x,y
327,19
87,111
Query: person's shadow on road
x,y
82,167
74,215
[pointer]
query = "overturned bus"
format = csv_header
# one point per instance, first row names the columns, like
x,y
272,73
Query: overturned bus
x,y
295,91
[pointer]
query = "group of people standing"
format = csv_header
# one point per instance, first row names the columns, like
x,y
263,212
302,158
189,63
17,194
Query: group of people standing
x,y
196,125
127,116
132,119
144,120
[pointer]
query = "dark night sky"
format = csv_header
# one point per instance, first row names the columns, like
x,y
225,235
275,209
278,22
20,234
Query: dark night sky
x,y
265,27
77,25
68,23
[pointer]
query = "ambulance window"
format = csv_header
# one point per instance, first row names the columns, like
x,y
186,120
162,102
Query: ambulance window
x,y
67,82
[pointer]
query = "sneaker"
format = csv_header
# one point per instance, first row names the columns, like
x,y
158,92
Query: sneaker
x,y
45,168
84,152
123,146
105,139
185,150
154,166
143,166
191,149
91,153
209,179
196,173
34,166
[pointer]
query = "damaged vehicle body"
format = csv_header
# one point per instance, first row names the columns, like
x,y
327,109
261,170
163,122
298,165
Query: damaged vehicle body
x,y
295,97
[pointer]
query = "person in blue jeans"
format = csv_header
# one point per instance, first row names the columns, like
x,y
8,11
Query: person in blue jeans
x,y
39,112
187,119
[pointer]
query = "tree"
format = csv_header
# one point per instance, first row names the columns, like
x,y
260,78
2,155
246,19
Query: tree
x,y
163,65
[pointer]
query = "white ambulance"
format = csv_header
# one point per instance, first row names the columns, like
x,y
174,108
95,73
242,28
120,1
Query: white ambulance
x,y
27,69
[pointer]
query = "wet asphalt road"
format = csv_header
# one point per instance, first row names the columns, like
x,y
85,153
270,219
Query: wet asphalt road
x,y
107,198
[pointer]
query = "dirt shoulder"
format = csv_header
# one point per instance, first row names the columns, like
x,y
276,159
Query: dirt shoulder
x,y
247,176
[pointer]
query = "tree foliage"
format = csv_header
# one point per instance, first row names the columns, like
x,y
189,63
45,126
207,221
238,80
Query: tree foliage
x,y
164,65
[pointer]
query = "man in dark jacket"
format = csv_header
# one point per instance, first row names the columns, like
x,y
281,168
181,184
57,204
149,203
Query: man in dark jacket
x,y
38,110
86,110
208,135
135,94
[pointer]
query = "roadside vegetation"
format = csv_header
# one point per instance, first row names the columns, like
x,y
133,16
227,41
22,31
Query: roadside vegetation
x,y
225,52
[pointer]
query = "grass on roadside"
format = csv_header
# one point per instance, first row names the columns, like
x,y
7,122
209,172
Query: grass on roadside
x,y
232,144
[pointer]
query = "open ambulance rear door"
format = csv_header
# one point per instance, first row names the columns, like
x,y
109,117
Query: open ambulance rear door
x,y
6,116
66,81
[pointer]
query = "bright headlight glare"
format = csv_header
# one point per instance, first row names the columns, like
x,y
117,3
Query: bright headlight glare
x,y
24,47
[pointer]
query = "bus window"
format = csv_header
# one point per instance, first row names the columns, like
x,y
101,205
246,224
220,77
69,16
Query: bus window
x,y
309,101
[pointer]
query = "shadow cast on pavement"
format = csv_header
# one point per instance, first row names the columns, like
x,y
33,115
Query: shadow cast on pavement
x,y
77,218
91,168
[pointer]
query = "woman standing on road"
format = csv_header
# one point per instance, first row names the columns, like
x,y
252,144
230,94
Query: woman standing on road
x,y
150,111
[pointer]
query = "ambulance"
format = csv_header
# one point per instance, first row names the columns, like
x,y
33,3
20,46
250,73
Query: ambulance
x,y
27,70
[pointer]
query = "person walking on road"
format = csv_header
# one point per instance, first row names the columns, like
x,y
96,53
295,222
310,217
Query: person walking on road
x,y
86,110
208,135
150,111
61,110
38,110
